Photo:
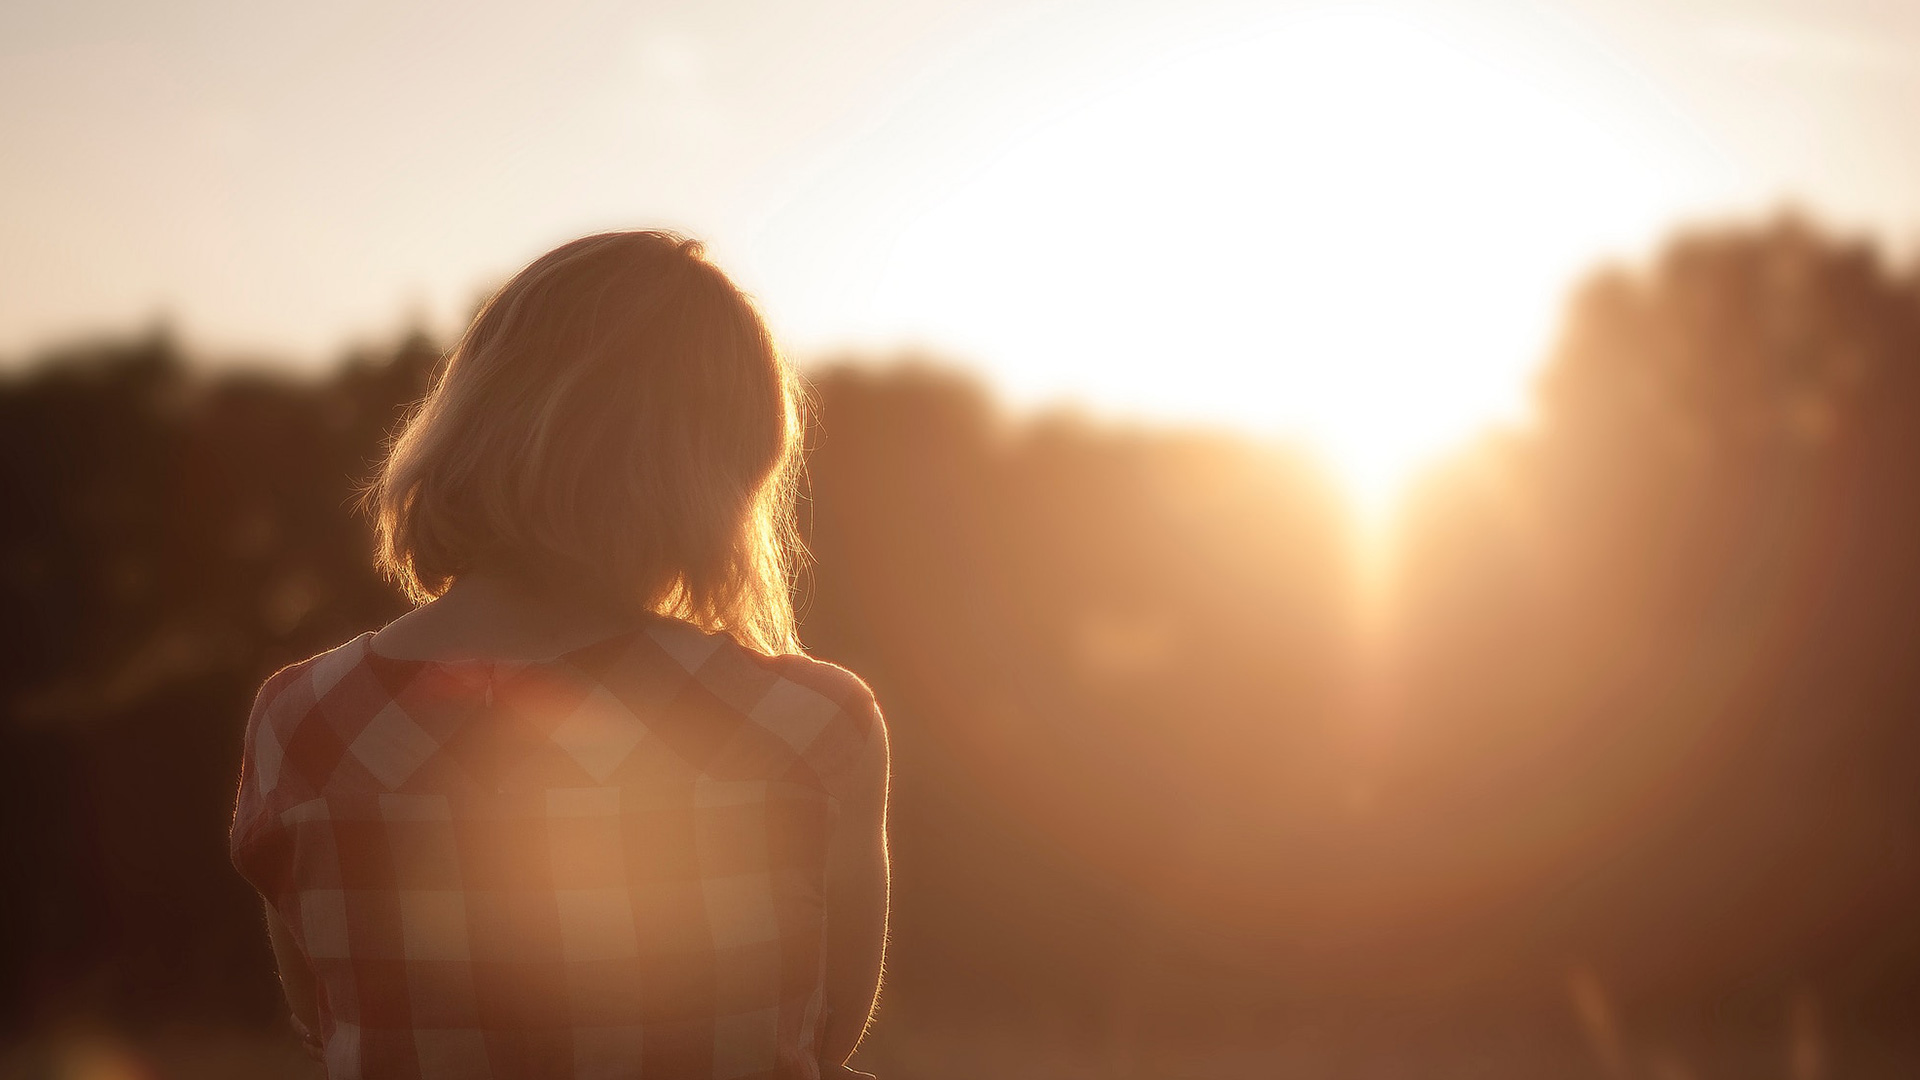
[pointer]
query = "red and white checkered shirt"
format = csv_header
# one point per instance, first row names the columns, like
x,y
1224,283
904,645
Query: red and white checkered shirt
x,y
608,864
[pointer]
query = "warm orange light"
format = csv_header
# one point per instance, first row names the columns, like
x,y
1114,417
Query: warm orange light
x,y
1352,227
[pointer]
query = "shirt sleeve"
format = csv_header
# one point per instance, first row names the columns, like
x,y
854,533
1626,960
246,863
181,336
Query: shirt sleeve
x,y
847,752
252,837
858,770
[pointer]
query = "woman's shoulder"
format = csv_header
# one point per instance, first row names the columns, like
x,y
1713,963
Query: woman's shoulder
x,y
831,716
827,715
829,680
297,686
273,775
715,658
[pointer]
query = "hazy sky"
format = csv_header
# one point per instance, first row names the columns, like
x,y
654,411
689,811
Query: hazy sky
x,y
1079,198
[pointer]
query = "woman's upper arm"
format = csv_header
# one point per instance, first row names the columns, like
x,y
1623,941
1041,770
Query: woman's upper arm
x,y
857,896
857,853
864,798
260,850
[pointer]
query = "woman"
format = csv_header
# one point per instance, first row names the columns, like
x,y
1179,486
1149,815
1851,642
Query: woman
x,y
587,811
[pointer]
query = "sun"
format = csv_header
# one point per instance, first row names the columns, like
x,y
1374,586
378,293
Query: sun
x,y
1351,228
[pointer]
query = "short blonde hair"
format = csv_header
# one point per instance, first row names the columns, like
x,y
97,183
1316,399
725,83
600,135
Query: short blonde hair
x,y
617,410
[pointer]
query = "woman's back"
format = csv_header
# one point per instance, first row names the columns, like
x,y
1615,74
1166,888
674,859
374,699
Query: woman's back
x,y
584,812
611,862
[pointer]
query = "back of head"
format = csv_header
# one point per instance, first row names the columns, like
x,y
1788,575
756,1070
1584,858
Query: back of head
x,y
617,412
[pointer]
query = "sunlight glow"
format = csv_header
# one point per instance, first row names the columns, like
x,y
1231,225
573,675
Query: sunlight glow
x,y
1351,228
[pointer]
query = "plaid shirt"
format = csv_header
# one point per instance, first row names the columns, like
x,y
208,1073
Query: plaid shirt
x,y
608,864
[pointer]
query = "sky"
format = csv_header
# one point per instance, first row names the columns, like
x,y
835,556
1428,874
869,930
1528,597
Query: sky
x,y
1352,222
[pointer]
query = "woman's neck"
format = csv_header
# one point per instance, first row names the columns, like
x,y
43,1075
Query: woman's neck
x,y
504,612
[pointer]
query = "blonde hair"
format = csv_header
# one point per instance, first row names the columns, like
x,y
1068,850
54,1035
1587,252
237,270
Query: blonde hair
x,y
617,411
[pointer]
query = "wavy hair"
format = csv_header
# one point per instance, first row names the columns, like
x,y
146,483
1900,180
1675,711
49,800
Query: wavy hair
x,y
617,411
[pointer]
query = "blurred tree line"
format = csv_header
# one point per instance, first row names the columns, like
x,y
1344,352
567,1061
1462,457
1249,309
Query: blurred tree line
x,y
1624,753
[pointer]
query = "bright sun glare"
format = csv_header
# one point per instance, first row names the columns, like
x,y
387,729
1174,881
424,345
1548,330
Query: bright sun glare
x,y
1351,228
